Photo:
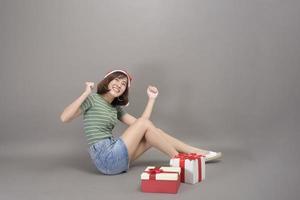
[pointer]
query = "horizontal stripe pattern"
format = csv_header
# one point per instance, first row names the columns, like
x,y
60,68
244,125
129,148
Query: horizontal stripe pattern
x,y
99,118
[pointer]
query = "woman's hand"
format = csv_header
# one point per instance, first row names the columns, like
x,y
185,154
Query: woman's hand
x,y
73,110
152,92
89,87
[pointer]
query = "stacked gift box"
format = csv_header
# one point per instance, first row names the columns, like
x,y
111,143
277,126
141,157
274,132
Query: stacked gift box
x,y
186,168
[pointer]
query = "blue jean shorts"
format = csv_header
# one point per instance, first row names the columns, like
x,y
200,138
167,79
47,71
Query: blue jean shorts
x,y
110,156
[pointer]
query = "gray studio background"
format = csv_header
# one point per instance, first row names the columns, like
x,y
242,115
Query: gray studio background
x,y
227,72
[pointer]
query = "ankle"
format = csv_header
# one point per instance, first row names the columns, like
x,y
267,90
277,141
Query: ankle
x,y
173,154
200,151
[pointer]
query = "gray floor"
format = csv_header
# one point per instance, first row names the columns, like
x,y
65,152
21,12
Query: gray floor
x,y
39,171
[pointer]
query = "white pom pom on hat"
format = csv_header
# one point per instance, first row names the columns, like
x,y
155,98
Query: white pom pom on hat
x,y
129,78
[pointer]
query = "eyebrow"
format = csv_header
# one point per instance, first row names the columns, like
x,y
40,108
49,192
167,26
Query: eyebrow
x,y
122,78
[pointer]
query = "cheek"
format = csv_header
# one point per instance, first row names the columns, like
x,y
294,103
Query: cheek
x,y
110,84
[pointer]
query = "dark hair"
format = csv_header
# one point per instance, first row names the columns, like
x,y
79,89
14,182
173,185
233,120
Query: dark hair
x,y
102,88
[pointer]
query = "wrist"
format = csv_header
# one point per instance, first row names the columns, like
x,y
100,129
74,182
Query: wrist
x,y
86,93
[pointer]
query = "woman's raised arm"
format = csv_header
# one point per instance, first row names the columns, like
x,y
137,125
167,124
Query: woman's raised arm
x,y
152,94
73,110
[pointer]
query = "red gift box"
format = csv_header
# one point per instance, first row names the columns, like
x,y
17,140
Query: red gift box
x,y
161,179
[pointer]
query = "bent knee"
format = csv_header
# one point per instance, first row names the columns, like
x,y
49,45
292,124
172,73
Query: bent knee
x,y
145,122
158,129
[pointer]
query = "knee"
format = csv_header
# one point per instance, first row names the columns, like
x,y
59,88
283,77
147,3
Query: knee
x,y
158,129
146,122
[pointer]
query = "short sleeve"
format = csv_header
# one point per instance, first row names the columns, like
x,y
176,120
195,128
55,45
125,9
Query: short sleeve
x,y
120,112
87,103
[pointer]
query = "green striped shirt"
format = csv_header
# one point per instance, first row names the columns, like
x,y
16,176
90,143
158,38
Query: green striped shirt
x,y
99,117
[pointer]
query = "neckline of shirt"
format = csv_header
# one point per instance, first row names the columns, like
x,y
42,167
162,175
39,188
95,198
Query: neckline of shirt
x,y
104,100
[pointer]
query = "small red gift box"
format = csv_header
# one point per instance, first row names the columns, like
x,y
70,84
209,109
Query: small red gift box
x,y
192,167
160,179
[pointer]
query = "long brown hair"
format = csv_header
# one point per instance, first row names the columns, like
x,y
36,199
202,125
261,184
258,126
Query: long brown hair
x,y
102,88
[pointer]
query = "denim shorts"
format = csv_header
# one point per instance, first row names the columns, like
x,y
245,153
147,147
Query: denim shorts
x,y
110,156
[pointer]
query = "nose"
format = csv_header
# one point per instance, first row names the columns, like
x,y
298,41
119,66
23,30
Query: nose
x,y
118,85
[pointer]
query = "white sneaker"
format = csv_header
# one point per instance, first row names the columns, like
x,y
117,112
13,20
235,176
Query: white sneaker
x,y
212,156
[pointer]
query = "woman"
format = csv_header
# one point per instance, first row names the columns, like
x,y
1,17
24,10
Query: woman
x,y
100,112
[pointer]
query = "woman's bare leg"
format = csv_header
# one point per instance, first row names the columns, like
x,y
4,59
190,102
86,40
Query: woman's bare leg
x,y
133,136
177,144
142,148
181,146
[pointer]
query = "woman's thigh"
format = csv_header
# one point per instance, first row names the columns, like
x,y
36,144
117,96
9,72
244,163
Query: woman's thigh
x,y
143,146
134,134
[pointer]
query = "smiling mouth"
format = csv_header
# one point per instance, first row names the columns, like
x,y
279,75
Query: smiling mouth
x,y
116,90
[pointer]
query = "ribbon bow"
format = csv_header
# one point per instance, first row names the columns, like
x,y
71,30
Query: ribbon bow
x,y
156,170
191,156
152,172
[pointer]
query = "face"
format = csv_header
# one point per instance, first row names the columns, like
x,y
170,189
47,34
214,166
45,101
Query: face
x,y
117,86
